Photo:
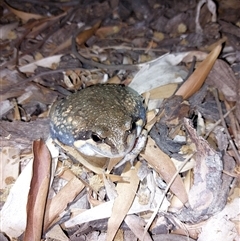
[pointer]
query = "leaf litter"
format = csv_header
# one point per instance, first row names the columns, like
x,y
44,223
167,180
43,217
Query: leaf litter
x,y
183,58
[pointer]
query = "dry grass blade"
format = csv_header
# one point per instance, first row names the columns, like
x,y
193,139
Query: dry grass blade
x,y
195,81
126,193
38,191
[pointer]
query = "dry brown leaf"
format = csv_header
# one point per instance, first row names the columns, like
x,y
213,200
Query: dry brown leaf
x,y
192,230
176,204
17,116
56,233
223,78
151,119
108,31
164,91
114,80
195,81
165,167
62,46
113,178
23,15
159,36
86,34
58,203
119,235
93,203
38,27
126,193
112,163
211,47
38,191
199,55
136,224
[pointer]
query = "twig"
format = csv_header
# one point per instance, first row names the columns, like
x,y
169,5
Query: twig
x,y
100,65
218,122
124,47
237,156
233,123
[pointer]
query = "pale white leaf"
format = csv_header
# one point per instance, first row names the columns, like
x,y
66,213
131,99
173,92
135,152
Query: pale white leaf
x,y
13,215
5,106
220,227
48,62
6,28
158,72
104,210
9,168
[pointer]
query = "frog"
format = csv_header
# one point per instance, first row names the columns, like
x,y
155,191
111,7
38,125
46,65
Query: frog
x,y
102,120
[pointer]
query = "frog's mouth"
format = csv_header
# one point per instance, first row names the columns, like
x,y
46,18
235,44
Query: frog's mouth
x,y
90,147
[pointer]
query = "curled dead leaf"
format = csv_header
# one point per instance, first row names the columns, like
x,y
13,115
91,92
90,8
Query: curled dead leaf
x,y
38,191
195,81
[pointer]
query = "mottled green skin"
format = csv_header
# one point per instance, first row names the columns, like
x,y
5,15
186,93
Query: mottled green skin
x,y
105,113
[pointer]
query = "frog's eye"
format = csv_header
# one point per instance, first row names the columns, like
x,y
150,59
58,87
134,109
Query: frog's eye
x,y
133,126
96,138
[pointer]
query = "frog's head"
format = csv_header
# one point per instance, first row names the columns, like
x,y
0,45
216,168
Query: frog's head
x,y
114,140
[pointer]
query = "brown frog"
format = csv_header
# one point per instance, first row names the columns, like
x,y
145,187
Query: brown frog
x,y
100,120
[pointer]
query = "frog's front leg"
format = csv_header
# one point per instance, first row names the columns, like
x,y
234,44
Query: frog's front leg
x,y
138,147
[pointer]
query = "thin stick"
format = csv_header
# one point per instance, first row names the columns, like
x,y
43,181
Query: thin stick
x,y
164,196
215,92
218,122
